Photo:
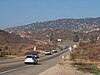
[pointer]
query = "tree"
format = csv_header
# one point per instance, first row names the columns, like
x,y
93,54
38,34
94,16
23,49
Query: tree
x,y
93,38
81,43
75,38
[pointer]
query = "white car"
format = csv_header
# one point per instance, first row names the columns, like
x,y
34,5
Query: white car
x,y
48,52
54,51
31,59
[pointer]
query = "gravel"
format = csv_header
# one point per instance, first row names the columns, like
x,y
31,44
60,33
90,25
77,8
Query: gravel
x,y
63,68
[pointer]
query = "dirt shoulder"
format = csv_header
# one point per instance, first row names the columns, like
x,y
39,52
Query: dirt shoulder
x,y
63,68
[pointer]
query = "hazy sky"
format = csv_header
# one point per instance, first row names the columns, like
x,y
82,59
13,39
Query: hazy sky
x,y
20,12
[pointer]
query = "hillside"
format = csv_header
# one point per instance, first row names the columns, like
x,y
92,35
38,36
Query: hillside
x,y
12,40
47,34
13,44
7,38
83,24
56,29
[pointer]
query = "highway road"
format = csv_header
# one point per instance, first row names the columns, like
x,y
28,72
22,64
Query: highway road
x,y
19,68
4,61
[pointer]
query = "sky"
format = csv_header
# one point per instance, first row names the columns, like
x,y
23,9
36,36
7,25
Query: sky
x,y
21,12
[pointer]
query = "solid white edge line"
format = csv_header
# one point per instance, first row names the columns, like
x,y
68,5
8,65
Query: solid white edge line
x,y
13,69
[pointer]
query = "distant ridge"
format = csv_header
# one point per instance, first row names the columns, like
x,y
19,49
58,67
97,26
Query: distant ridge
x,y
64,24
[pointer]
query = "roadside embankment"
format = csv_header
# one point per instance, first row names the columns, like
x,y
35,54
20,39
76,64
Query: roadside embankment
x,y
64,68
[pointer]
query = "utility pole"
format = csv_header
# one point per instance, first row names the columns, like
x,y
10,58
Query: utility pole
x,y
52,38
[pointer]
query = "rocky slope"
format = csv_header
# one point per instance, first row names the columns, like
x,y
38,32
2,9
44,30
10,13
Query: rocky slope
x,y
6,37
65,24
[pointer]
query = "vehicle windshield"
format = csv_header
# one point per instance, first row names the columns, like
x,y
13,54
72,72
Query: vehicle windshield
x,y
34,54
48,51
30,57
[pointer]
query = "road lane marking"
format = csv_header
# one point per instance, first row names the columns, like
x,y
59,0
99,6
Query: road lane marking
x,y
28,65
14,69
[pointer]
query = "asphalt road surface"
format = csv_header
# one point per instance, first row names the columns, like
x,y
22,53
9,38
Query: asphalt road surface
x,y
19,68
